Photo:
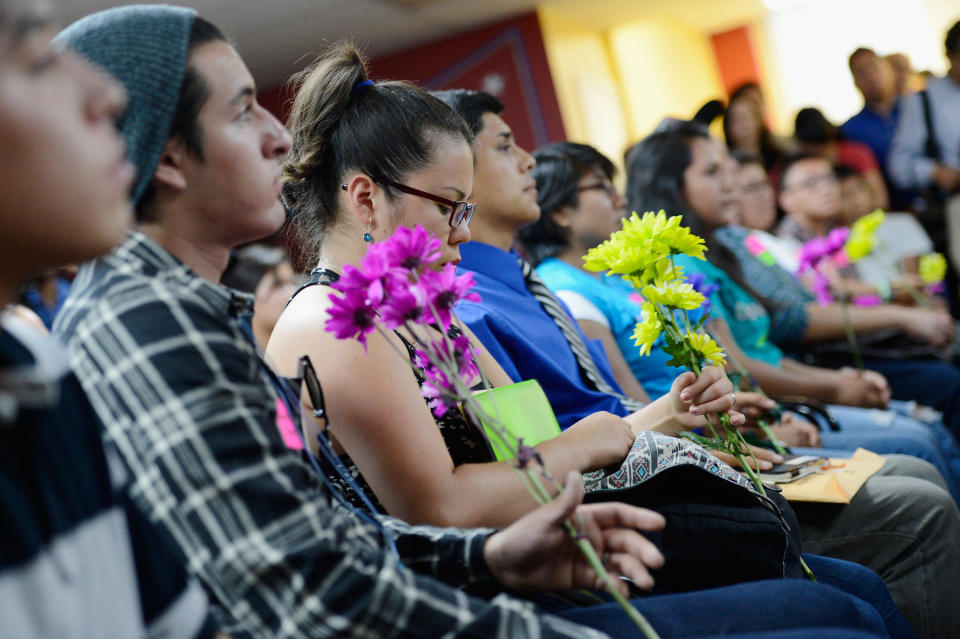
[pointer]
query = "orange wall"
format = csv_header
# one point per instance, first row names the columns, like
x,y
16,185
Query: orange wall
x,y
735,57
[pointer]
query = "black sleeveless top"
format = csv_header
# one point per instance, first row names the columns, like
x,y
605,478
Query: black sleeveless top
x,y
465,442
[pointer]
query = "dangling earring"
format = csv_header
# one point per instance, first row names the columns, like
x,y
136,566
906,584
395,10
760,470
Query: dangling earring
x,y
366,232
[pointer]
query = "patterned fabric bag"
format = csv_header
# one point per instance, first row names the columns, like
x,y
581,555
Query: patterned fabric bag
x,y
719,530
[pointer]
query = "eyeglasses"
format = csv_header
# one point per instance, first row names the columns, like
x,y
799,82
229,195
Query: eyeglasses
x,y
605,186
756,188
460,212
307,374
813,182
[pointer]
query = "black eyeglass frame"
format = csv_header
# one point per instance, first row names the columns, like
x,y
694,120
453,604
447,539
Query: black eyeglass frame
x,y
461,212
606,187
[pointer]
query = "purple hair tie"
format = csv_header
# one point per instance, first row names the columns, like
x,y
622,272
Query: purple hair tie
x,y
360,86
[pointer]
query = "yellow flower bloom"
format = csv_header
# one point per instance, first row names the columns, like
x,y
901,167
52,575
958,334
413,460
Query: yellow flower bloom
x,y
673,294
641,243
648,331
858,247
933,268
868,224
706,348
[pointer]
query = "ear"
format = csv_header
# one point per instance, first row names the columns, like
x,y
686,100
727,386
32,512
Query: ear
x,y
364,199
169,171
563,217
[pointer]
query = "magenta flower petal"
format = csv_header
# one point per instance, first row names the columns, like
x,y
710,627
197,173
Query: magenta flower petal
x,y
411,249
350,317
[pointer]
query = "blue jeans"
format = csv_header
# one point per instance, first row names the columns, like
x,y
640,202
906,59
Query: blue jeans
x,y
886,432
755,607
864,584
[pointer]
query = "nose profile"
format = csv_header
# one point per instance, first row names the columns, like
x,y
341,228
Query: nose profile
x,y
277,142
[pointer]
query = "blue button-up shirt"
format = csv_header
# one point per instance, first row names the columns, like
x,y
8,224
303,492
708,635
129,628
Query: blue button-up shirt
x,y
523,338
876,130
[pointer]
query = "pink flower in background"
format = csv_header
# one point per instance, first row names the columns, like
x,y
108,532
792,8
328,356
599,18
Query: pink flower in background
x,y
821,289
754,245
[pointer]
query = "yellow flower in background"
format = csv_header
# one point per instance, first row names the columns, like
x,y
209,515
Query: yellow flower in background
x,y
933,268
706,348
673,294
646,332
658,273
858,247
862,236
868,224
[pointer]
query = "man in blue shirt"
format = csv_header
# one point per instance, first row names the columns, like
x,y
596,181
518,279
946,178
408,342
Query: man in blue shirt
x,y
519,332
876,123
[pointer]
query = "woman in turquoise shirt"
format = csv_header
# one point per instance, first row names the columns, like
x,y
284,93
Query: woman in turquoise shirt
x,y
581,208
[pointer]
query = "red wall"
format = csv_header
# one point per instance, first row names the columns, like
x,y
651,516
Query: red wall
x,y
735,57
508,56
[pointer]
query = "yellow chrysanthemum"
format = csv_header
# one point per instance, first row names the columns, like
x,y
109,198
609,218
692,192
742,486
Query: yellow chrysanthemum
x,y
641,243
868,224
673,294
648,331
858,247
933,268
706,348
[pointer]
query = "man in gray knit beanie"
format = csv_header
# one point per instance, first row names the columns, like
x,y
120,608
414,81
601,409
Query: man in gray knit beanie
x,y
145,47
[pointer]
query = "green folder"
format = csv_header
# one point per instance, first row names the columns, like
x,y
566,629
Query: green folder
x,y
525,412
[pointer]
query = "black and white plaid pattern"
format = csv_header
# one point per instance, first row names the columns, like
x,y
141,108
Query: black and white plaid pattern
x,y
588,367
187,402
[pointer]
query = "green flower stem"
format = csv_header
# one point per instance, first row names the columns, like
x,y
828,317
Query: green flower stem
x,y
539,492
777,446
851,336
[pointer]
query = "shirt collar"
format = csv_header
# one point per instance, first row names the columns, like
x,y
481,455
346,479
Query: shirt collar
x,y
149,258
495,263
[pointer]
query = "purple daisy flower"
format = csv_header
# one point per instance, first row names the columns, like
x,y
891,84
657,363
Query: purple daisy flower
x,y
350,316
411,249
444,289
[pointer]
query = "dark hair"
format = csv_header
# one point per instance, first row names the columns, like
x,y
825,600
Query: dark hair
x,y
471,105
339,124
560,166
795,159
812,127
709,112
842,172
248,265
769,149
952,41
655,168
194,93
859,51
746,157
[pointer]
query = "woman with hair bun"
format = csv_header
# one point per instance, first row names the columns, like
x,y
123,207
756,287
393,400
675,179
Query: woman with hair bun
x,y
360,149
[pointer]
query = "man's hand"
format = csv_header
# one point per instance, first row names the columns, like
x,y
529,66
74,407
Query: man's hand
x,y
946,177
876,380
694,397
858,391
794,431
537,553
933,327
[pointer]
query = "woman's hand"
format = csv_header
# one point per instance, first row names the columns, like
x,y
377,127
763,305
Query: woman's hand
x,y
536,552
603,438
694,397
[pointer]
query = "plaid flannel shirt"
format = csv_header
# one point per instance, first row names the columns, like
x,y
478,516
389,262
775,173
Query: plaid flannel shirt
x,y
187,402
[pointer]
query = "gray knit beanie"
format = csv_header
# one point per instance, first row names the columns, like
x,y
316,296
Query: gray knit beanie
x,y
145,47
